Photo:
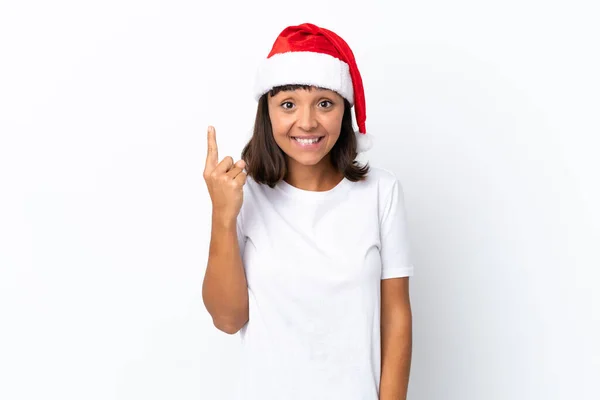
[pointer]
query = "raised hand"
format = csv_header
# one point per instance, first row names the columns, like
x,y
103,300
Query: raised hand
x,y
225,181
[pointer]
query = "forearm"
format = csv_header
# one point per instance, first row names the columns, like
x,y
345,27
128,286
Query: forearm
x,y
396,357
225,290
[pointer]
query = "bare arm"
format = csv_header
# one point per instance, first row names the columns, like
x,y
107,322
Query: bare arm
x,y
225,290
396,339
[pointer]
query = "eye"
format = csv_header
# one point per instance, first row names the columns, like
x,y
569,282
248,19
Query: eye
x,y
327,101
287,102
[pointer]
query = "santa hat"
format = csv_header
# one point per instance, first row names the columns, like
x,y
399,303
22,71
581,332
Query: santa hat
x,y
310,55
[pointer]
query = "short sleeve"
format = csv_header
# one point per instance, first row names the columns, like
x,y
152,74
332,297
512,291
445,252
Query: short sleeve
x,y
241,236
395,247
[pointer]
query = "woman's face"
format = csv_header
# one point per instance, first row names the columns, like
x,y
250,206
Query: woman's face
x,y
315,113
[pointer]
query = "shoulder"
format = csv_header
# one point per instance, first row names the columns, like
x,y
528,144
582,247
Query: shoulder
x,y
384,180
381,174
255,193
248,201
251,186
386,187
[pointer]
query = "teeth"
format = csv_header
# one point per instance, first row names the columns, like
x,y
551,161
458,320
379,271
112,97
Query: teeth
x,y
307,141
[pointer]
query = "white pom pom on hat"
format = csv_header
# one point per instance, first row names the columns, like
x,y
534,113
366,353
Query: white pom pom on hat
x,y
309,55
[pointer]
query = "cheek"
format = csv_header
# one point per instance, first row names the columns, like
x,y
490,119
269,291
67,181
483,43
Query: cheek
x,y
281,125
333,125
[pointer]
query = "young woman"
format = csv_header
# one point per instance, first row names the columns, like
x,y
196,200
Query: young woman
x,y
309,256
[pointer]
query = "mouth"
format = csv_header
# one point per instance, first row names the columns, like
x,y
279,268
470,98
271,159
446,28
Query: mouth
x,y
308,143
307,138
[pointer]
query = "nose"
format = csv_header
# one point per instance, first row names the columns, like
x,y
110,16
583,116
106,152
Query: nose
x,y
307,118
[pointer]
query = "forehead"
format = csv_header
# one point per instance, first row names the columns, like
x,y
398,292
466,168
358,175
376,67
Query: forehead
x,y
304,90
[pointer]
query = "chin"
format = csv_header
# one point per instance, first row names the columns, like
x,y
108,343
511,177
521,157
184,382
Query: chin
x,y
307,160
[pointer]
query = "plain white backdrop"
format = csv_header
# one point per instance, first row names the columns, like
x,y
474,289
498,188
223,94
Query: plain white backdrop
x,y
486,111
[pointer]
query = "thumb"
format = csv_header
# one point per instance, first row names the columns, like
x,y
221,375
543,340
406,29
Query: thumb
x,y
241,164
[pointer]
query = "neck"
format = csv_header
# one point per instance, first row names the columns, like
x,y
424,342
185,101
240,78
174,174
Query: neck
x,y
316,178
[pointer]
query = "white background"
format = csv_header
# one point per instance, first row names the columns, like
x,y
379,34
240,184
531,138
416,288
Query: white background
x,y
486,111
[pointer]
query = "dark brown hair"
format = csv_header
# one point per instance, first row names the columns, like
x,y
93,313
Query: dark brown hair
x,y
266,162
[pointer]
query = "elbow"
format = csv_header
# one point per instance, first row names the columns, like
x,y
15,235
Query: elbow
x,y
229,329
229,326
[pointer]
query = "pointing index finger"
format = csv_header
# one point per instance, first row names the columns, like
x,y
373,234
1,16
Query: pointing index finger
x,y
212,154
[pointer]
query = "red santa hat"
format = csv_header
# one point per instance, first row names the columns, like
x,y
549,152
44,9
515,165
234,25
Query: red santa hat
x,y
309,55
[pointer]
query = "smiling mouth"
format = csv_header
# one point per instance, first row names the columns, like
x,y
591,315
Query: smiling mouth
x,y
312,140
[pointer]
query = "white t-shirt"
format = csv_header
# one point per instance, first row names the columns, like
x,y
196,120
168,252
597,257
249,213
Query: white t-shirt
x,y
314,263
